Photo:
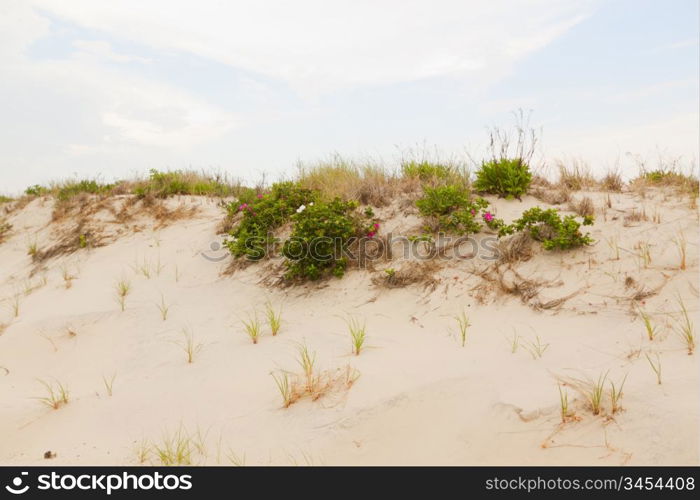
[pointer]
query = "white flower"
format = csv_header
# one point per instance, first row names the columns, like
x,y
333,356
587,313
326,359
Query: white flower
x,y
301,209
311,204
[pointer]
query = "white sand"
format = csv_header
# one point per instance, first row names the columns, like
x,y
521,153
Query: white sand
x,y
421,397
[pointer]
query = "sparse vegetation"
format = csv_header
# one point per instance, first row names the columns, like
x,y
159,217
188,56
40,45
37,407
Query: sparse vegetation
x,y
123,289
536,348
357,334
109,383
548,227
595,394
286,389
648,326
656,366
252,327
163,308
463,324
274,318
616,395
685,327
56,394
189,345
681,244
563,405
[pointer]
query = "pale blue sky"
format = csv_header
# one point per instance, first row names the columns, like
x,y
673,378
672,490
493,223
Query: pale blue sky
x,y
109,89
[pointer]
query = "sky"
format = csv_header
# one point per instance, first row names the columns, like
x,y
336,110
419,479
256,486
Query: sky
x,y
109,90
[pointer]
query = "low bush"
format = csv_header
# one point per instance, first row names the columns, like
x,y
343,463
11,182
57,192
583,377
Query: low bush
x,y
507,178
549,228
452,209
263,212
322,232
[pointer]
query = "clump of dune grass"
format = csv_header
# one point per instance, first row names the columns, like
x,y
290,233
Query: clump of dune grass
x,y
463,325
143,451
612,181
367,182
287,389
5,228
616,395
189,345
644,254
648,326
595,393
514,343
123,287
656,366
307,361
564,411
274,318
174,449
614,246
185,182
583,207
56,394
536,348
32,248
576,177
681,244
252,327
357,334
109,383
685,327
163,308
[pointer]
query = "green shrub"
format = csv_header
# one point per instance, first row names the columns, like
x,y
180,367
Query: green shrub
x,y
426,170
452,208
5,199
508,178
321,233
262,214
548,227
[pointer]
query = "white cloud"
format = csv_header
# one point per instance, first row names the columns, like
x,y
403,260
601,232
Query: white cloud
x,y
316,45
100,51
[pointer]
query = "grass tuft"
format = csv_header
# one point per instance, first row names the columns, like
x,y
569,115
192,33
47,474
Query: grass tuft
x,y
357,334
463,324
595,394
123,289
252,327
109,383
274,318
685,327
56,394
656,366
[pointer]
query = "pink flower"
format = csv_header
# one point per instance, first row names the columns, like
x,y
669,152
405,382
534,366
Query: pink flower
x,y
371,234
376,225
488,217
473,212
243,207
260,196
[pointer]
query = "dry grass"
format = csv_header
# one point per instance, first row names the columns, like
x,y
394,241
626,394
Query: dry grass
x,y
189,345
681,245
516,248
123,288
368,183
576,177
56,394
612,181
583,207
552,195
411,273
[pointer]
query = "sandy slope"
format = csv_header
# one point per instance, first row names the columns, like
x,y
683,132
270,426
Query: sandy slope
x,y
421,397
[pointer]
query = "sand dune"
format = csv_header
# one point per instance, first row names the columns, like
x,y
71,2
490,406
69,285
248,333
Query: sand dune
x,y
421,398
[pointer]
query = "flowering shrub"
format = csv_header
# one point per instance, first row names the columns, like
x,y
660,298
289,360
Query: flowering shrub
x,y
548,227
263,213
508,178
452,208
322,231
